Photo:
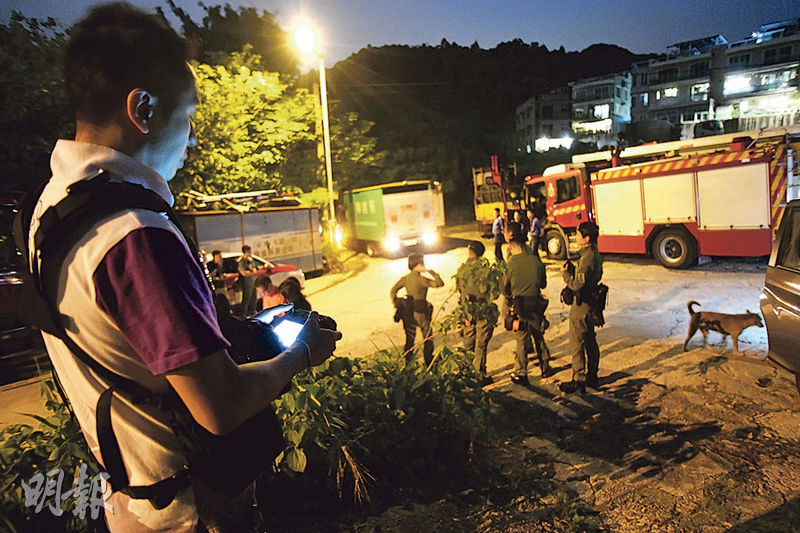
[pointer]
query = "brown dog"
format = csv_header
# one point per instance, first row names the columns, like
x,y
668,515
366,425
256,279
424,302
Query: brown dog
x,y
726,324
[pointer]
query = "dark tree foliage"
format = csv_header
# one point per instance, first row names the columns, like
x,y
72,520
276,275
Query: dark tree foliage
x,y
440,110
225,30
33,104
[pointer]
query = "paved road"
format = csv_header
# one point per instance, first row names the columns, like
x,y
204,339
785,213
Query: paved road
x,y
646,302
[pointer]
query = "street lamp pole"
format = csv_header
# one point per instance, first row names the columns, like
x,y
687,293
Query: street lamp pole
x,y
326,135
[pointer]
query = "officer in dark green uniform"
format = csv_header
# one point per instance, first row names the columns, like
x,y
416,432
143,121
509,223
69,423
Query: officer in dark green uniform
x,y
524,281
416,284
470,282
583,340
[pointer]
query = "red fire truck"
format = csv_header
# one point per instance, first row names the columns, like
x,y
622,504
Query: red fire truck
x,y
712,196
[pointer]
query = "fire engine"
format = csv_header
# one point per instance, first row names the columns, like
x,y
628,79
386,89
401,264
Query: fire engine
x,y
491,189
713,196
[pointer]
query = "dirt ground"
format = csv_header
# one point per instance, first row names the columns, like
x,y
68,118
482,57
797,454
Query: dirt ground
x,y
695,441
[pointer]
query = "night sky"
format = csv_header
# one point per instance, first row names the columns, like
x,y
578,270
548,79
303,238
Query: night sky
x,y
638,25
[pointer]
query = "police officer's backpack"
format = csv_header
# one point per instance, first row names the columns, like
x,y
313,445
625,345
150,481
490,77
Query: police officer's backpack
x,y
228,463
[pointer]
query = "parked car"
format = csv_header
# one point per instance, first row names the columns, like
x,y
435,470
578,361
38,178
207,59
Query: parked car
x,y
277,272
780,299
21,353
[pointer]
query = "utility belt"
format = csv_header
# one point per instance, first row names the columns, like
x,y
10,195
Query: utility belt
x,y
526,306
408,305
586,295
596,296
526,310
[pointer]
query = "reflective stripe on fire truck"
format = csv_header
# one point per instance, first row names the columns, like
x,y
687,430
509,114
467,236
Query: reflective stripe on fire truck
x,y
570,209
654,168
777,181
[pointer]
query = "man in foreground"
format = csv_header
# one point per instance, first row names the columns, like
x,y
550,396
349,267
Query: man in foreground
x,y
131,295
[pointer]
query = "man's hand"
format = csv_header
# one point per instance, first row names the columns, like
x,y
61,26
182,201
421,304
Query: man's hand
x,y
321,342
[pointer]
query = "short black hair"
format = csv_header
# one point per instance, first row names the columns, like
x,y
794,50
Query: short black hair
x,y
589,229
414,260
117,48
246,248
477,247
517,238
215,252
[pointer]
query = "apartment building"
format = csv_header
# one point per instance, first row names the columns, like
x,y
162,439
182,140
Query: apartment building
x,y
710,82
544,121
601,107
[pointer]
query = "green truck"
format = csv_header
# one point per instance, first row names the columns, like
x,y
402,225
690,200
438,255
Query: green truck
x,y
384,219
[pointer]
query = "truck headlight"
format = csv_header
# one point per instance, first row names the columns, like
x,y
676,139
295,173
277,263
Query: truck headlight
x,y
391,243
429,238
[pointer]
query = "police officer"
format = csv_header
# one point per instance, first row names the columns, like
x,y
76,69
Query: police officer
x,y
419,316
523,283
582,280
477,330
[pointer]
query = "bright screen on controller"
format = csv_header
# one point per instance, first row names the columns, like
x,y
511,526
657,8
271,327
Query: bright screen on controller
x,y
287,331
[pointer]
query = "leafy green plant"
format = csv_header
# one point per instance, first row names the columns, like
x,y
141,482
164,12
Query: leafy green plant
x,y
361,418
478,276
348,423
56,443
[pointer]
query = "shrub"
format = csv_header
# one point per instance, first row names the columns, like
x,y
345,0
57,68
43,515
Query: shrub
x,y
56,443
347,422
382,412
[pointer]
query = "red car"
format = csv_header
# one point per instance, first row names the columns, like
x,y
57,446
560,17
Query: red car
x,y
277,273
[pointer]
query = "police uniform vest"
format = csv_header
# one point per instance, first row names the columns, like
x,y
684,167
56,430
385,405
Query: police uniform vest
x,y
590,262
526,277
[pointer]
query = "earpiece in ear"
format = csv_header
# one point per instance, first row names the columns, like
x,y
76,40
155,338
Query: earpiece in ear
x,y
144,111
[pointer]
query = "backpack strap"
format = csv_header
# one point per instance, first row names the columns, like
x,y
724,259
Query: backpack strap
x,y
60,228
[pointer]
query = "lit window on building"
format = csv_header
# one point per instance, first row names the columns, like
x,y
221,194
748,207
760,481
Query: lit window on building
x,y
777,80
601,111
645,99
737,84
694,116
671,92
699,92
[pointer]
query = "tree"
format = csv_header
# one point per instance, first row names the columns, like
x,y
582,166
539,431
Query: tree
x,y
355,160
33,103
246,123
225,30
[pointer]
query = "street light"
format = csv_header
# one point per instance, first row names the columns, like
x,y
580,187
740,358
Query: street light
x,y
306,42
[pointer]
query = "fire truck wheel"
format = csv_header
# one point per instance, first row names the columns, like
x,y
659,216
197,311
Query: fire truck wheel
x,y
370,249
675,249
554,245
